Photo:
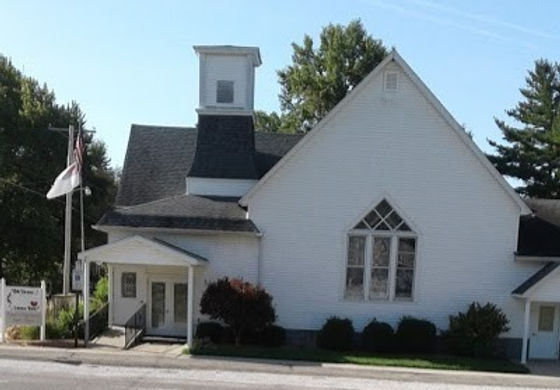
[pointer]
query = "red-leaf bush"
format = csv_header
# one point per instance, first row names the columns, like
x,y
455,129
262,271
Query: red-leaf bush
x,y
240,305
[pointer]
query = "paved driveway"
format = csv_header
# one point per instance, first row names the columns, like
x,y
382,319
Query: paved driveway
x,y
31,375
545,367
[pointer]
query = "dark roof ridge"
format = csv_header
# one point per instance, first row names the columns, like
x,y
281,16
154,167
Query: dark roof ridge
x,y
141,126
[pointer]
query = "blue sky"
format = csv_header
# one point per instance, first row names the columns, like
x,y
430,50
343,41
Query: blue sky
x,y
132,61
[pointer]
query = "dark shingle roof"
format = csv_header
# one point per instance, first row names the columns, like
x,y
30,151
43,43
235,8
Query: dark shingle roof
x,y
547,209
183,212
225,147
159,158
538,237
537,277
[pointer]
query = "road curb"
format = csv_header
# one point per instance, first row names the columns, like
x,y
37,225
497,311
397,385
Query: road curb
x,y
185,362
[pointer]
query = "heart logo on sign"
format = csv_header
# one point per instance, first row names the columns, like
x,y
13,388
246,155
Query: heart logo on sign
x,y
34,303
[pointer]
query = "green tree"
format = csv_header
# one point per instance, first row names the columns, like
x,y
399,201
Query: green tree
x,y
31,156
320,77
268,122
532,152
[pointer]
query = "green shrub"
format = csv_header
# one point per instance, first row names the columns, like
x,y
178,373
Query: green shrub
x,y
272,336
27,332
101,292
378,337
415,335
476,331
337,334
240,305
210,330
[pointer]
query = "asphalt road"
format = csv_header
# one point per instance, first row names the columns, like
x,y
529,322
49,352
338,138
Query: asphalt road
x,y
31,375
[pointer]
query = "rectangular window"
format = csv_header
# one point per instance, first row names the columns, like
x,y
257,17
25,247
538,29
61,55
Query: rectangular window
x,y
546,318
128,285
180,302
405,268
224,91
380,263
355,267
391,81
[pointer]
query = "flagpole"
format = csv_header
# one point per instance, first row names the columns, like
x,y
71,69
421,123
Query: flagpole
x,y
68,221
82,194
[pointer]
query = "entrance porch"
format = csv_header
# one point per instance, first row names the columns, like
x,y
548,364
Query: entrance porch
x,y
151,285
541,327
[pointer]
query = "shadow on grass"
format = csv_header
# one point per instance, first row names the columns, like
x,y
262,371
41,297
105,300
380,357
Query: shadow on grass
x,y
309,355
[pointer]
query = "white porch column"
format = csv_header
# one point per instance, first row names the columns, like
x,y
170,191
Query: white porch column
x,y
2,309
526,326
110,293
86,301
190,304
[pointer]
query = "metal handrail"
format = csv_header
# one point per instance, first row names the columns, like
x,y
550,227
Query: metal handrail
x,y
135,327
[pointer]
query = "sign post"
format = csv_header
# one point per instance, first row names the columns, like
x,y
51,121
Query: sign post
x,y
2,310
43,335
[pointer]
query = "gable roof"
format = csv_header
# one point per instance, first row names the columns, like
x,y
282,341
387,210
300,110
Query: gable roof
x,y
189,212
119,252
541,274
158,159
394,56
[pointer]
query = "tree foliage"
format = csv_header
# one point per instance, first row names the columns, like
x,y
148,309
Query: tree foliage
x,y
239,304
31,156
321,76
532,152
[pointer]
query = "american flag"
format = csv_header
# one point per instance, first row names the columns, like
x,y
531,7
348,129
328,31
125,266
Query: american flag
x,y
79,152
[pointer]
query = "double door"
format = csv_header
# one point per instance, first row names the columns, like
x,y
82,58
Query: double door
x,y
167,306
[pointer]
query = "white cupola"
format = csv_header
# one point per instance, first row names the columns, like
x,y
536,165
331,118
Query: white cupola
x,y
227,79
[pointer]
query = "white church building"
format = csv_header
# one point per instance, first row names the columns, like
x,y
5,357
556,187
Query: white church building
x,y
385,208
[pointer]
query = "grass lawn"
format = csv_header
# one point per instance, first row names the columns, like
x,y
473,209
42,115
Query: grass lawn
x,y
434,361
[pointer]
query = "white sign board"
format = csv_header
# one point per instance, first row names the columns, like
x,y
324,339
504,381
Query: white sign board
x,y
23,305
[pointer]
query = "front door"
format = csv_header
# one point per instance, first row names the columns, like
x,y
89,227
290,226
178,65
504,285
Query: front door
x,y
544,331
167,306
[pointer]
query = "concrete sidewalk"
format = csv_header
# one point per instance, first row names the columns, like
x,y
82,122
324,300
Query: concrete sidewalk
x,y
147,358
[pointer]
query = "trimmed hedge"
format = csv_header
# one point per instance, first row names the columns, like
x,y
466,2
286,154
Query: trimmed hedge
x,y
415,335
337,334
272,336
378,337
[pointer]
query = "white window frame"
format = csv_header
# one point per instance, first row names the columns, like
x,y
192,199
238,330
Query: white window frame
x,y
394,235
385,79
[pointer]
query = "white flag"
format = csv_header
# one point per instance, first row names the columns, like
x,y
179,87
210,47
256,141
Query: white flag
x,y
65,182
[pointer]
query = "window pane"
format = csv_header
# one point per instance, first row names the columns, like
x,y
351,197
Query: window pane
x,y
128,285
546,318
381,251
403,288
356,249
407,244
158,304
180,302
379,283
393,219
355,282
404,227
361,225
406,260
224,92
372,218
383,208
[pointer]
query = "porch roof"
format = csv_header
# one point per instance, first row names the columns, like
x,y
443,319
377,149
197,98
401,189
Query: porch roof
x,y
142,251
537,280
